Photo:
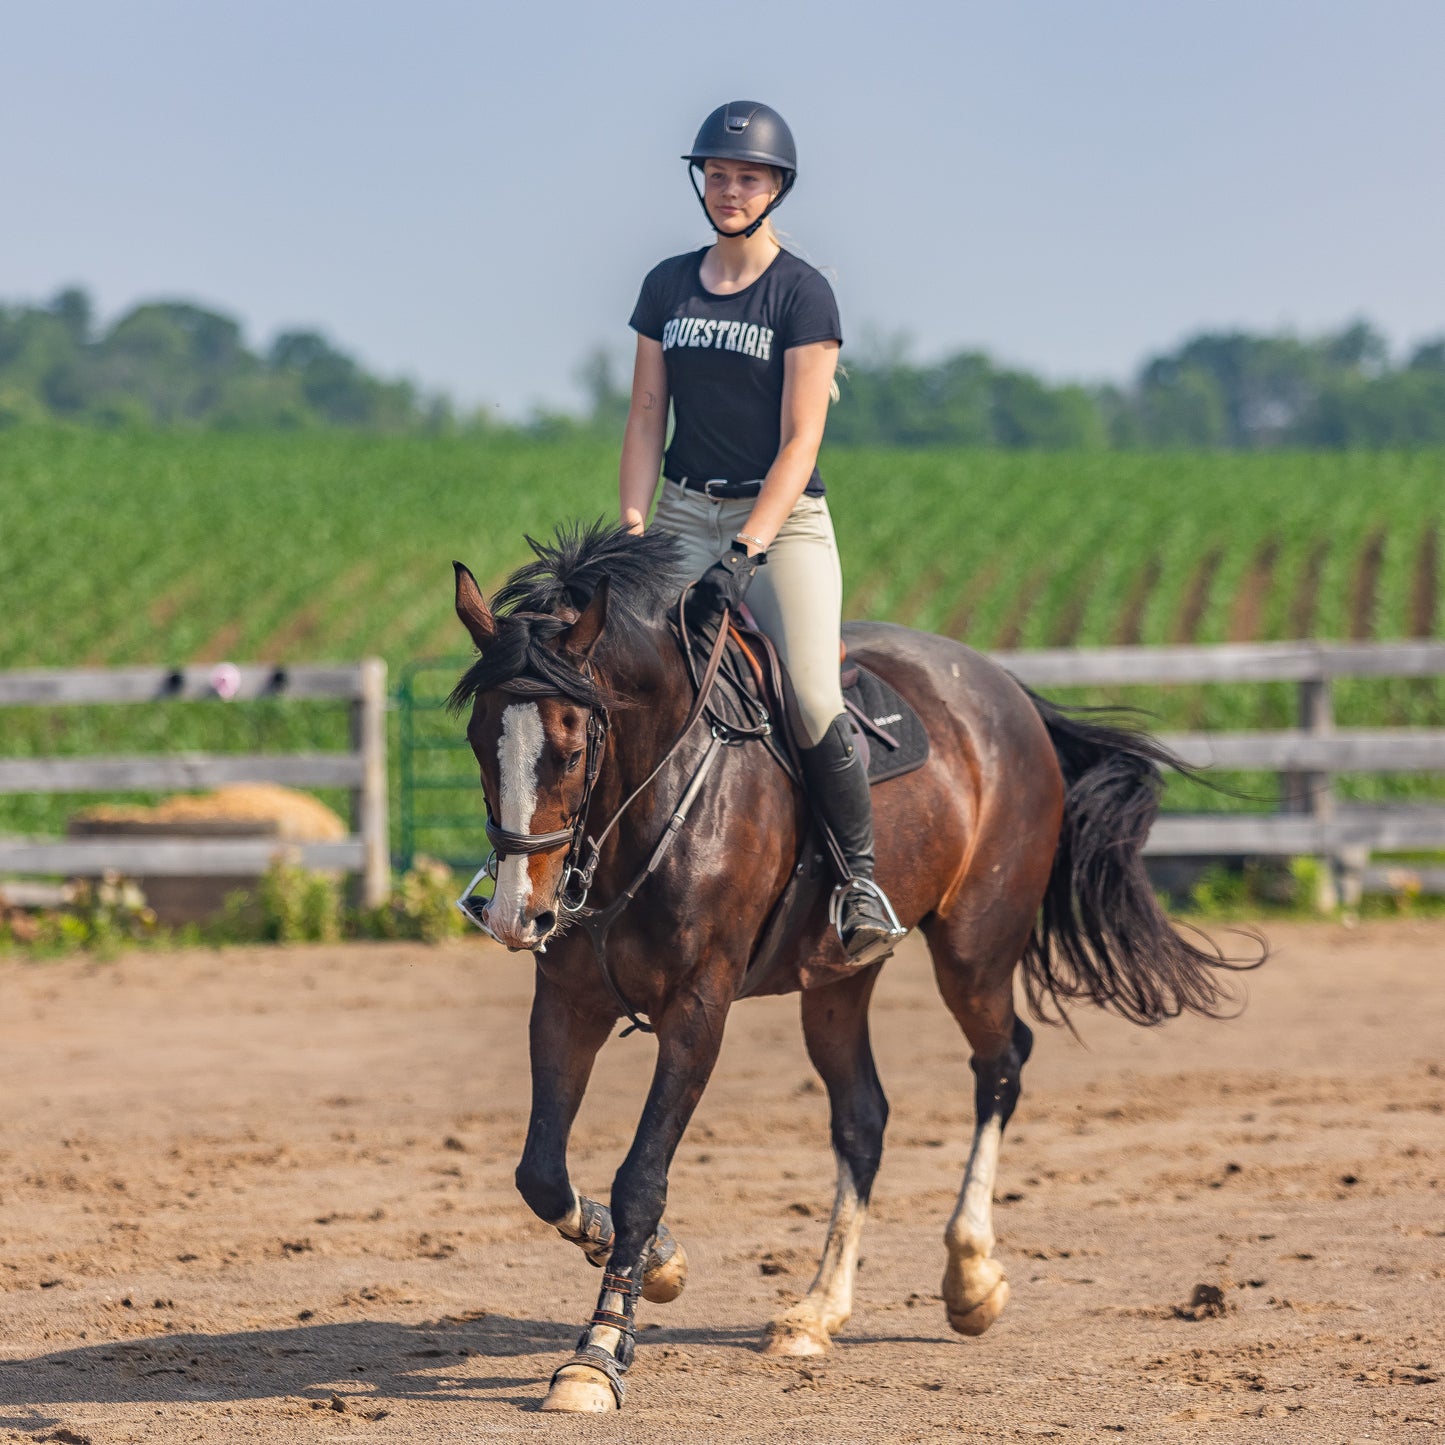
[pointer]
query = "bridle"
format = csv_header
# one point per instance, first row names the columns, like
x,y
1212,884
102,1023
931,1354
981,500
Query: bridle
x,y
505,843
577,875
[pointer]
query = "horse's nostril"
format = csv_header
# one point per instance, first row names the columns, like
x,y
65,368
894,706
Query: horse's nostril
x,y
544,923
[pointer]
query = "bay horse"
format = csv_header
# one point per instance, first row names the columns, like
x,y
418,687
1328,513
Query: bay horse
x,y
1016,844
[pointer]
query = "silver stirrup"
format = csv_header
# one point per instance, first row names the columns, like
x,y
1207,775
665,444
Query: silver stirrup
x,y
885,946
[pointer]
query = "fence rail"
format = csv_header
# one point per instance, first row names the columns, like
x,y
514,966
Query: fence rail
x,y
439,801
173,857
1349,750
1379,830
1305,757
1305,662
182,771
362,771
54,687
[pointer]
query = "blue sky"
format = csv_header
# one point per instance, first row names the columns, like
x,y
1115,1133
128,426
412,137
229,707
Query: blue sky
x,y
469,193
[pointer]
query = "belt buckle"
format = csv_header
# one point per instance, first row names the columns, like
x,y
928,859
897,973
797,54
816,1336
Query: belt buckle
x,y
707,489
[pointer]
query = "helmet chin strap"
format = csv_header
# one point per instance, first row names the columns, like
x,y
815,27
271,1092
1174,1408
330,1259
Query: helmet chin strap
x,y
772,205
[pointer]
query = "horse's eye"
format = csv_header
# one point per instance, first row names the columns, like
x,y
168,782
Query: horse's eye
x,y
574,760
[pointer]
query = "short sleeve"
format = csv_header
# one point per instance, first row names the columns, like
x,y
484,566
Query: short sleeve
x,y
647,318
813,312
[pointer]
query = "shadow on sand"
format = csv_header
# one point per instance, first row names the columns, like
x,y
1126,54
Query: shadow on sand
x,y
359,1362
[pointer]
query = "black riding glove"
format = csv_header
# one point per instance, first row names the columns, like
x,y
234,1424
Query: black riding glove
x,y
724,584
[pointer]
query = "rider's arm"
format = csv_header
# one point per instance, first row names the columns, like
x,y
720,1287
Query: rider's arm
x,y
807,382
646,432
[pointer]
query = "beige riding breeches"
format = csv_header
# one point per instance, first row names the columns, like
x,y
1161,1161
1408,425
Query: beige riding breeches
x,y
797,596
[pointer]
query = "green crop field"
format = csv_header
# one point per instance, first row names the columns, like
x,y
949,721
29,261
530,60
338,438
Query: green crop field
x,y
167,548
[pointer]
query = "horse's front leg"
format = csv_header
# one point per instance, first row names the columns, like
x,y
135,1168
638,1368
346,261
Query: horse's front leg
x,y
564,1046
689,1035
564,1042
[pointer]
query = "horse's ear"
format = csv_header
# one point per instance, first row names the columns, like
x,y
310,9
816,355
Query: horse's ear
x,y
472,608
586,632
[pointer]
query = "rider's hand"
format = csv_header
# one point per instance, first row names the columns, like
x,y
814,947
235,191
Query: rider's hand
x,y
724,584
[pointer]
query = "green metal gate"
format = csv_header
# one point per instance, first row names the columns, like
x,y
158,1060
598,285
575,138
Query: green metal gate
x,y
439,804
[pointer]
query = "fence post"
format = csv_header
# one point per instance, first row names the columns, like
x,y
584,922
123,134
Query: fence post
x,y
368,802
406,766
1314,792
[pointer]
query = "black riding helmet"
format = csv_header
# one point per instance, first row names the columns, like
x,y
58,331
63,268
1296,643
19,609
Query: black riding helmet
x,y
744,130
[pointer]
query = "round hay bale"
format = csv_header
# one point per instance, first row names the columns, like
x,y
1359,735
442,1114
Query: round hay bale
x,y
299,818
239,810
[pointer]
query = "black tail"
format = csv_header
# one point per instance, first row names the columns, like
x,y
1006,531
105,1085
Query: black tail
x,y
1101,934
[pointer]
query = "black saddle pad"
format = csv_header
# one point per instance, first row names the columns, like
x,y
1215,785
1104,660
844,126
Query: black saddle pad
x,y
894,741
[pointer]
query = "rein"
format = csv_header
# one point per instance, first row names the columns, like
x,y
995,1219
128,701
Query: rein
x,y
577,879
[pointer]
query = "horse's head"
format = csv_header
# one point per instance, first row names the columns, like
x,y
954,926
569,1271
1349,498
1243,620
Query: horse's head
x,y
536,728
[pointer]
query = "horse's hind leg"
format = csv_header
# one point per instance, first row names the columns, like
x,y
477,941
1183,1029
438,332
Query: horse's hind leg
x,y
835,1028
974,1288
980,997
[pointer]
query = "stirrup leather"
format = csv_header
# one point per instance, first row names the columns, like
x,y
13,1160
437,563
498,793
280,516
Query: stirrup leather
x,y
876,952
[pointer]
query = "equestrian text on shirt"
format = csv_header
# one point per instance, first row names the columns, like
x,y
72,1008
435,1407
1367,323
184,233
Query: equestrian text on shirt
x,y
725,335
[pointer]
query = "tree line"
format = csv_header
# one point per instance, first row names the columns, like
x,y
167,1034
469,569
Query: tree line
x,y
172,363
1218,390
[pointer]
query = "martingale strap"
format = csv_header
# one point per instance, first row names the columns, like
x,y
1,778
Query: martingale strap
x,y
597,923
699,706
578,875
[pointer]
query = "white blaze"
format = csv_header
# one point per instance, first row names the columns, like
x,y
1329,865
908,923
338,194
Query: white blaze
x,y
517,757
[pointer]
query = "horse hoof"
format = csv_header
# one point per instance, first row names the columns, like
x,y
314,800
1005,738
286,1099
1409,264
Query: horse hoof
x,y
663,1282
983,1314
790,1341
578,1390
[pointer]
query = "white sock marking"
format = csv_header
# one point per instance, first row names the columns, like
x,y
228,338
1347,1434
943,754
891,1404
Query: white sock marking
x,y
829,1301
971,1227
840,1254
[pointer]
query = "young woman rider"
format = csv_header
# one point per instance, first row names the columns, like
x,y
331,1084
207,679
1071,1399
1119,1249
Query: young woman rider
x,y
742,338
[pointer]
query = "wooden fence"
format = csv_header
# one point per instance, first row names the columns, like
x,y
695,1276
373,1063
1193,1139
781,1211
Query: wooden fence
x,y
1313,822
362,771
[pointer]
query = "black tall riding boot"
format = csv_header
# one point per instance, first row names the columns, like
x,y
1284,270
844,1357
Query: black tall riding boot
x,y
838,788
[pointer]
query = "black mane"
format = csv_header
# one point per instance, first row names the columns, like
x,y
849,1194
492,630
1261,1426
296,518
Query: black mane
x,y
645,575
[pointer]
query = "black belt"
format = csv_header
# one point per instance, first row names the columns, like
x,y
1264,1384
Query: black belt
x,y
718,489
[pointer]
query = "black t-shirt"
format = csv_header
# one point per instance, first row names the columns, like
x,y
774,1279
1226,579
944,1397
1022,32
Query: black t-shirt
x,y
724,357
